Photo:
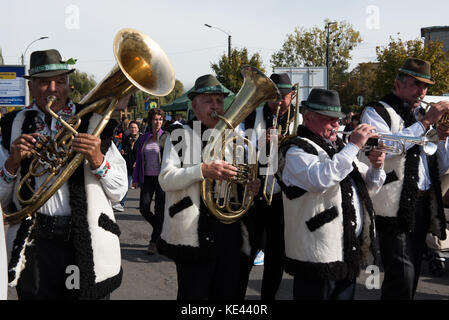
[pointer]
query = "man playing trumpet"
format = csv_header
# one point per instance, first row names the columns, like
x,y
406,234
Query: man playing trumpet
x,y
329,227
409,204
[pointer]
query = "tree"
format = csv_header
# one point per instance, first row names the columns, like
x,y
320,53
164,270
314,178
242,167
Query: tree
x,y
392,56
142,97
228,72
307,48
360,82
80,83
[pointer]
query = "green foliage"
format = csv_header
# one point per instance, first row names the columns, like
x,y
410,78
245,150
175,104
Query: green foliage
x,y
307,47
359,83
81,83
394,54
141,97
228,72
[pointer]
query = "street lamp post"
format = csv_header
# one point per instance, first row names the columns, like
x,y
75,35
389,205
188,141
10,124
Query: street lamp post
x,y
229,39
23,54
327,49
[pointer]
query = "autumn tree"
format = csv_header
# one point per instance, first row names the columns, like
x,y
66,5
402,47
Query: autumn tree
x,y
392,56
360,82
228,72
307,48
80,83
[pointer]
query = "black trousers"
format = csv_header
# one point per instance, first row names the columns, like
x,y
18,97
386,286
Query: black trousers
x,y
402,254
307,288
149,188
46,275
269,234
222,272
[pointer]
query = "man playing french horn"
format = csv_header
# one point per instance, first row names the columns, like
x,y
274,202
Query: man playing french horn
x,y
409,205
211,257
74,232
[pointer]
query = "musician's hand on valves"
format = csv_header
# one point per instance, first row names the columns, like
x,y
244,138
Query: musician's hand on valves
x,y
377,158
218,170
443,131
89,146
360,135
20,149
435,112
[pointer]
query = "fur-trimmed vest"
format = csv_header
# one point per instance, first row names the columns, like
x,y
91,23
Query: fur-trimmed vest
x,y
189,231
320,238
95,232
395,202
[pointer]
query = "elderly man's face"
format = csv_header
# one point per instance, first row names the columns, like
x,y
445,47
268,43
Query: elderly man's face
x,y
42,88
321,125
204,104
411,90
284,103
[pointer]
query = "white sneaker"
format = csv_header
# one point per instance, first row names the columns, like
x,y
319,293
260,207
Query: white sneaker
x,y
118,207
258,261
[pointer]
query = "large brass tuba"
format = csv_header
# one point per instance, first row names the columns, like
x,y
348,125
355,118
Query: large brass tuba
x,y
141,65
222,197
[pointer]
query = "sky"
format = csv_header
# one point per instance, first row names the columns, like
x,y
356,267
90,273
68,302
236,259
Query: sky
x,y
85,30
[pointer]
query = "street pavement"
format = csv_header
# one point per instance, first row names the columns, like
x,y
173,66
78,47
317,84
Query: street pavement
x,y
153,277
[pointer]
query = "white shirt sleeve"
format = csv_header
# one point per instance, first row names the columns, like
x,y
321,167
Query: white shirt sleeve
x,y
173,176
113,174
312,174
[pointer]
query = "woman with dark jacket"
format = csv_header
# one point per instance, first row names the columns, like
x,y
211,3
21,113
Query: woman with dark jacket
x,y
148,150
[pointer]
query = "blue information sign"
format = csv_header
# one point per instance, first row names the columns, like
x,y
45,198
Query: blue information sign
x,y
12,86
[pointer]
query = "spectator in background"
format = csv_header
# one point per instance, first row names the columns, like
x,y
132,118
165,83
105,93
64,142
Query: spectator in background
x,y
129,154
149,149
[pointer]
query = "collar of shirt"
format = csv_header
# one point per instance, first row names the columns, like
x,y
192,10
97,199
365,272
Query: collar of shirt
x,y
65,113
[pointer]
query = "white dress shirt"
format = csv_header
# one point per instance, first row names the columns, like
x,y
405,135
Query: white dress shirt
x,y
308,172
371,117
112,174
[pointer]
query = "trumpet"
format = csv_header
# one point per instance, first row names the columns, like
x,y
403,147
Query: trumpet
x,y
429,142
444,120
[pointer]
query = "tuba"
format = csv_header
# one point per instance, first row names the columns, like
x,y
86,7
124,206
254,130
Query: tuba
x,y
222,197
141,65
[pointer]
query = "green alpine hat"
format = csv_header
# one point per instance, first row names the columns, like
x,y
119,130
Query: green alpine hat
x,y
206,84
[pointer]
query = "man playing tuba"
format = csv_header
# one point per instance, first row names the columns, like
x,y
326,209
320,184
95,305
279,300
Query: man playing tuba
x,y
211,257
74,233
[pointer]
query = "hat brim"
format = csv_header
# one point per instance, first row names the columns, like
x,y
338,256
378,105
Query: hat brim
x,y
193,94
286,90
49,74
428,81
329,113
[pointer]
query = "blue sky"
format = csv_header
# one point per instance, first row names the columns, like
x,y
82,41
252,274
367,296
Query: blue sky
x,y
85,29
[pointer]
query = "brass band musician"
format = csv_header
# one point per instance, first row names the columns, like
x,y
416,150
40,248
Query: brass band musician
x,y
76,227
409,204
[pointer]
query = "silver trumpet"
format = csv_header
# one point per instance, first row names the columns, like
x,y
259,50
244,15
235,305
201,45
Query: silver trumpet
x,y
429,142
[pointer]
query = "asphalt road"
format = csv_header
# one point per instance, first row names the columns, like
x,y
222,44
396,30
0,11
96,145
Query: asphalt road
x,y
153,277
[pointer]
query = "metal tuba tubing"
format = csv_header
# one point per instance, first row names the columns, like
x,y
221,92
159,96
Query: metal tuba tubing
x,y
256,89
141,65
